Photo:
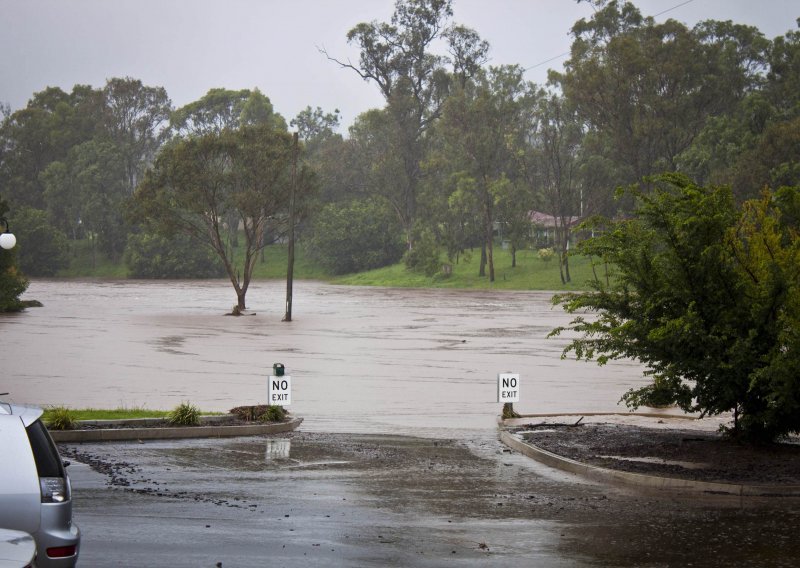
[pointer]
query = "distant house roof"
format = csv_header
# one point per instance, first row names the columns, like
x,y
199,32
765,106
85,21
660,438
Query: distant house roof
x,y
547,220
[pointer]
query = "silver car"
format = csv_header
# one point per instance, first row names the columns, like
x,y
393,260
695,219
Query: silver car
x,y
35,493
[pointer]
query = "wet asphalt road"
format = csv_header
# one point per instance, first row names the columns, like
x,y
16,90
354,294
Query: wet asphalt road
x,y
310,499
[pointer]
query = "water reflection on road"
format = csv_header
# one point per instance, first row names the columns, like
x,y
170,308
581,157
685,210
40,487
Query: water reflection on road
x,y
362,359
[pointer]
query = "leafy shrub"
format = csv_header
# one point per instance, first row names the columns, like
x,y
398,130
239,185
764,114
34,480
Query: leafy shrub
x,y
545,254
424,256
260,412
184,414
706,297
153,256
59,418
353,237
274,414
249,413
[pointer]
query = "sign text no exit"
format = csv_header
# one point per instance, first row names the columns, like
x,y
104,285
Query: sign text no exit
x,y
279,391
508,387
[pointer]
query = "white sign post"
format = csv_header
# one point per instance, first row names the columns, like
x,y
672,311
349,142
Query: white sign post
x,y
507,387
279,390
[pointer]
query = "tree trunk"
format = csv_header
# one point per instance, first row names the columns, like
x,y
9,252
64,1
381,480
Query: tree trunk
x,y
482,269
490,254
513,256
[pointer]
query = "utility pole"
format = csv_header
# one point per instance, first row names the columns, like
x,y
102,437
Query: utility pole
x,y
290,267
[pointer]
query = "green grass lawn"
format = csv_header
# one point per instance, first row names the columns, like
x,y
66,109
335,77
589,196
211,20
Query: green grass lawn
x,y
531,273
108,414
113,414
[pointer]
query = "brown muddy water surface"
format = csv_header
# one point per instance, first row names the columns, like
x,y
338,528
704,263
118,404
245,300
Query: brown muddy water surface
x,y
361,359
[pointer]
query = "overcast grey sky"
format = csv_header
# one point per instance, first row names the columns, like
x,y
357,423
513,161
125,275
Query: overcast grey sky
x,y
190,46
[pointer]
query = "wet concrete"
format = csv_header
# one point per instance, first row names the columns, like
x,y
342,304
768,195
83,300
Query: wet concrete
x,y
378,500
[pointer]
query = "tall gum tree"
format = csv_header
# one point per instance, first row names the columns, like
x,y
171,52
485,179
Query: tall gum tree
x,y
480,126
135,118
552,164
398,57
645,90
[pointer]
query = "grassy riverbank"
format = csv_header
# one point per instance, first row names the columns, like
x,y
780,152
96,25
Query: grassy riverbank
x,y
531,273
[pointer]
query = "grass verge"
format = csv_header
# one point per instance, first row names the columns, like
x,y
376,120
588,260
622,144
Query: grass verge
x,y
113,414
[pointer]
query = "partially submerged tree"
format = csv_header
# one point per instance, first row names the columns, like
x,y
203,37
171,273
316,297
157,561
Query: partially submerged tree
x,y
707,296
201,182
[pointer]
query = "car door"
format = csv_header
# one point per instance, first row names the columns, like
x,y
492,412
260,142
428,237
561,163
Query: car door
x,y
20,495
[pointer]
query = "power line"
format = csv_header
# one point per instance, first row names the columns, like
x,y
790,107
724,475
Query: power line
x,y
567,52
671,9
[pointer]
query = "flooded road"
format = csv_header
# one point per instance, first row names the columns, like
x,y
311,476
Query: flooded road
x,y
361,359
419,480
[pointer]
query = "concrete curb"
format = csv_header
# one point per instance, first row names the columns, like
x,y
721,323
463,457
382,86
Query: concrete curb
x,y
172,433
605,475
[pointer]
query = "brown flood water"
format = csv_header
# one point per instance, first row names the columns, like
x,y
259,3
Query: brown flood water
x,y
408,361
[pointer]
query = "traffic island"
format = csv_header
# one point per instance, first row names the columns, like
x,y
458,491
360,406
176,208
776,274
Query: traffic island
x,y
159,429
655,452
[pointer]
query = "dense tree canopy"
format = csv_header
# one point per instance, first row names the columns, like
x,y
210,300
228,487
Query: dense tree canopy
x,y
706,295
398,56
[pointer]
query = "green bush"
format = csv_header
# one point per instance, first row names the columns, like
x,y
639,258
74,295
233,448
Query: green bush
x,y
59,418
706,296
184,414
424,256
545,254
153,256
274,414
353,237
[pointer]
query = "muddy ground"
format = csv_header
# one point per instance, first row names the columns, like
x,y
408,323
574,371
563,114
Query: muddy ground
x,y
681,453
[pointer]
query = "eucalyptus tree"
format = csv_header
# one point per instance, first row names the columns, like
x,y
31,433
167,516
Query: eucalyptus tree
x,y
135,118
398,56
327,153
553,166
198,183
43,132
221,109
481,131
86,193
224,109
646,90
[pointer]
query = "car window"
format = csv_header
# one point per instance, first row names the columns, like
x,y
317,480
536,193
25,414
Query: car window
x,y
48,462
